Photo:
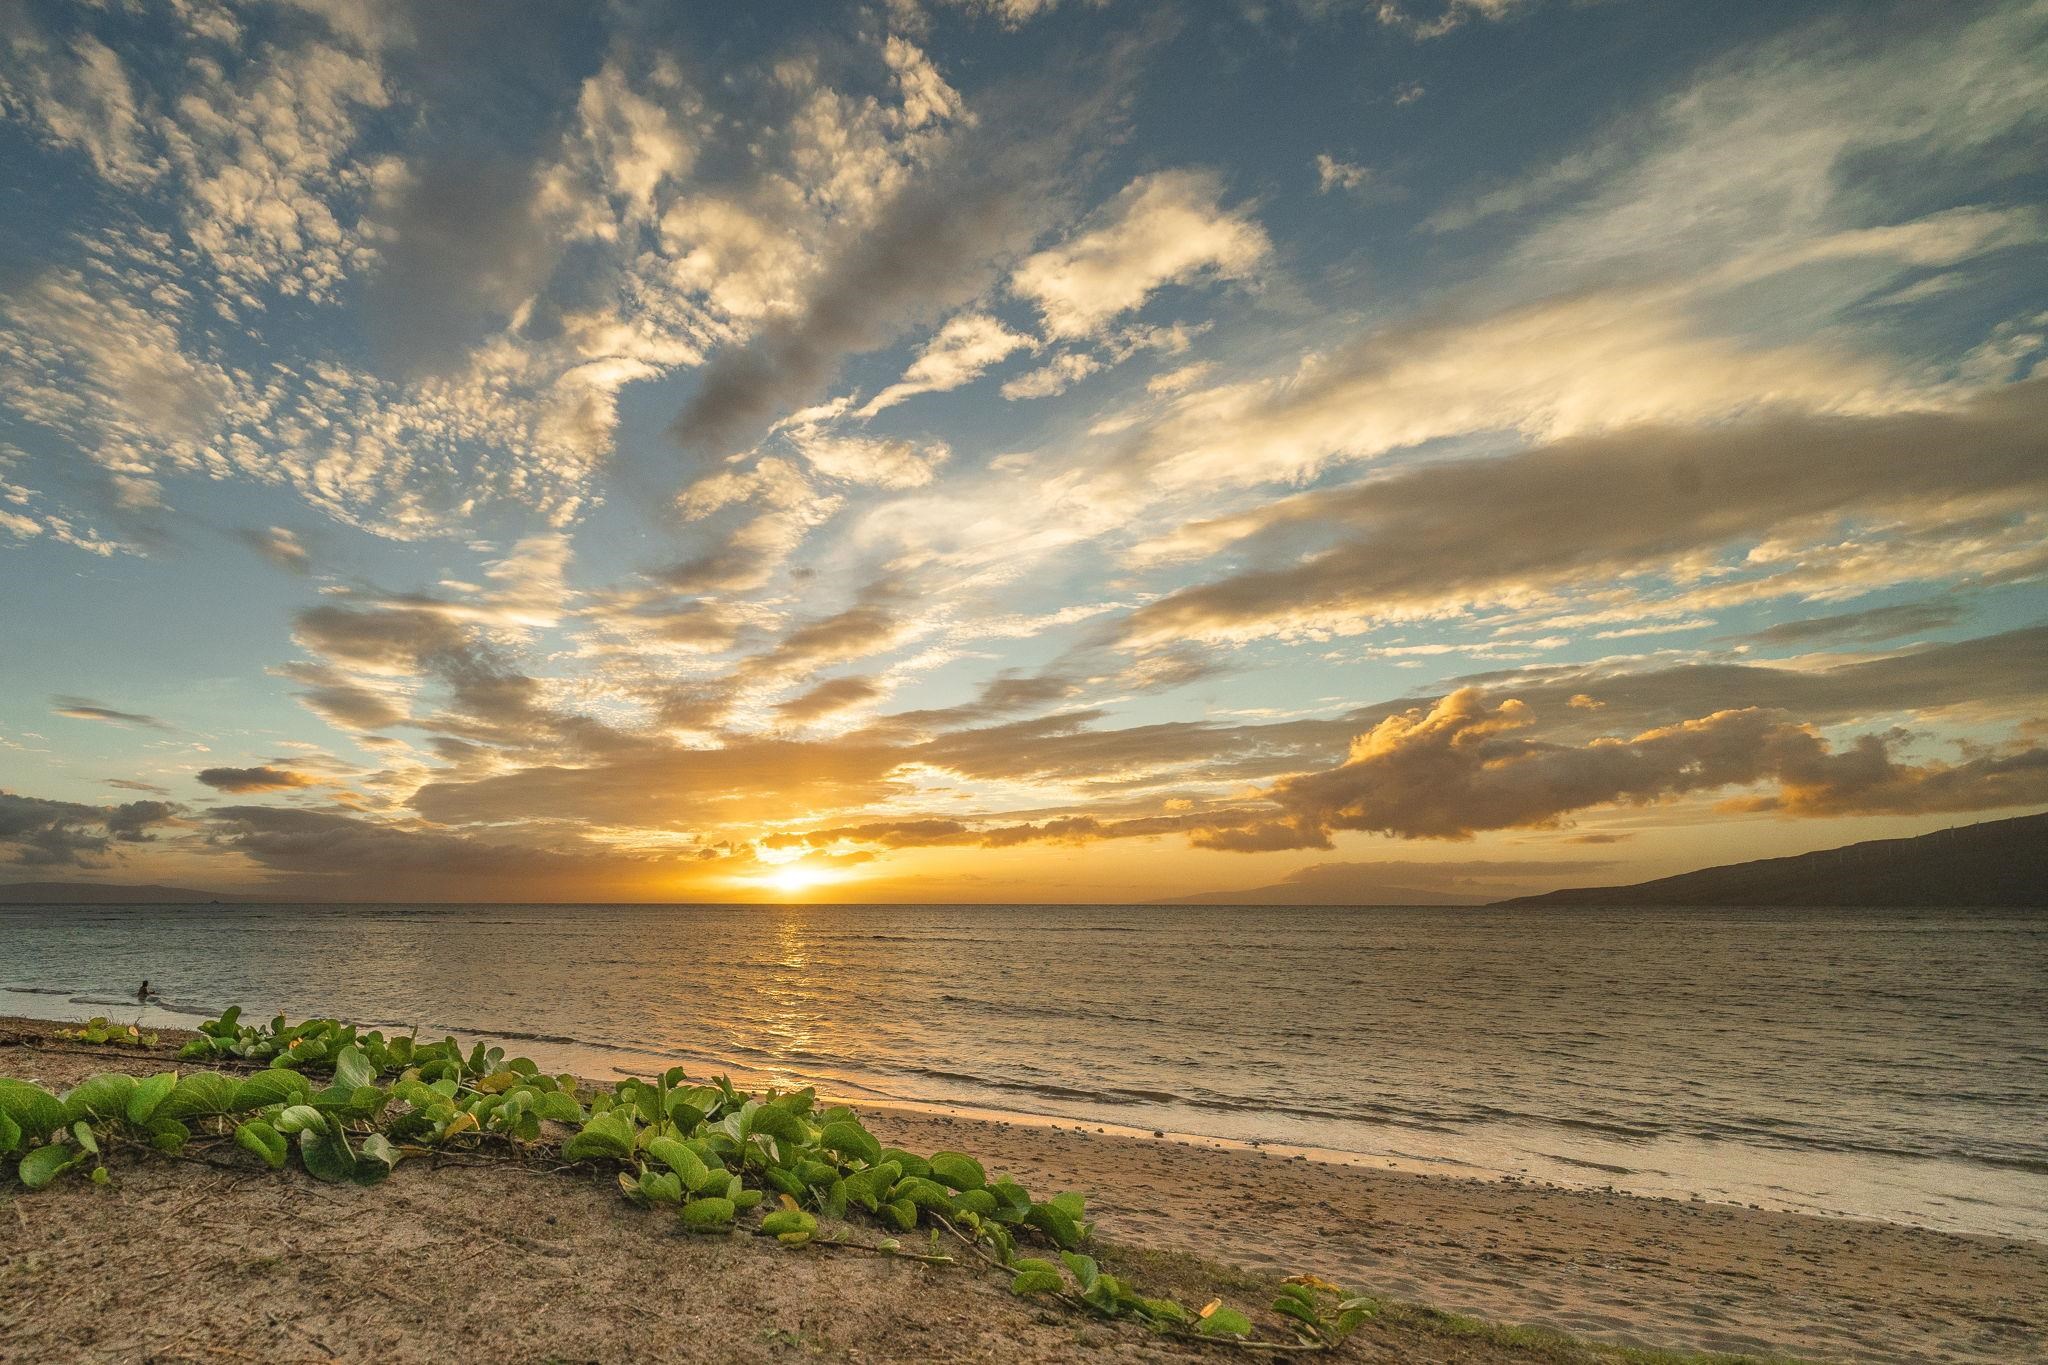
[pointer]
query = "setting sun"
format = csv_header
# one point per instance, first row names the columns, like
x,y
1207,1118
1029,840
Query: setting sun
x,y
794,879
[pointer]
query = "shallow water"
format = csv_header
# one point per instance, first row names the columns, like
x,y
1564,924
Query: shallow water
x,y
1880,1063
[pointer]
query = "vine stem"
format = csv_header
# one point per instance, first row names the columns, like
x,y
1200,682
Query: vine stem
x,y
1081,1305
838,1244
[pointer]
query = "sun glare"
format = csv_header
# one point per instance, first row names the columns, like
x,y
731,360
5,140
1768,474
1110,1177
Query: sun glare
x,y
794,879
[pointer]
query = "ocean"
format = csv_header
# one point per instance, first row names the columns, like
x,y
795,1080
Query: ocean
x,y
1886,1064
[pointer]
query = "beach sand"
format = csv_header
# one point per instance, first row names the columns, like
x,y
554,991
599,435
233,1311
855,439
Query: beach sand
x,y
184,1261
1650,1272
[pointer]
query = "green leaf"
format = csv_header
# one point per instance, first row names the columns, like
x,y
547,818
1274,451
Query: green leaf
x,y
850,1139
1045,1281
86,1141
778,1122
980,1203
923,1193
906,1163
325,1151
352,1070
1224,1322
605,1135
900,1213
958,1170
265,1141
168,1135
299,1118
707,1215
44,1164
1013,1202
104,1096
148,1095
678,1158
665,1188
1055,1223
199,1095
715,1180
1084,1268
375,1159
10,1133
791,1227
277,1085
553,1104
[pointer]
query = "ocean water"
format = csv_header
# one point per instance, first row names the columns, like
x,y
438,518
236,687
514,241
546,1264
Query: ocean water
x,y
1874,1063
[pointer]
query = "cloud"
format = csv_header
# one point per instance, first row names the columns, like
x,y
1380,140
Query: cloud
x,y
1012,13
1596,506
933,245
1590,362
658,786
1056,376
633,135
85,708
263,779
873,461
1332,174
1467,764
40,833
1868,626
869,626
327,853
926,96
79,96
387,640
280,546
829,699
1791,140
956,354
1438,17
343,700
1165,228
466,244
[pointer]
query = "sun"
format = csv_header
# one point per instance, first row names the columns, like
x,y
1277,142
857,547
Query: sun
x,y
795,879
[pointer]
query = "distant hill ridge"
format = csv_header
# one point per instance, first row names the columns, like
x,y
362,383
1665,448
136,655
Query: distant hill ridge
x,y
1997,863
107,893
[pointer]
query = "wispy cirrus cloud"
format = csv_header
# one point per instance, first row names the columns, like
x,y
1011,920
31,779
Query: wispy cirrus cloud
x,y
85,708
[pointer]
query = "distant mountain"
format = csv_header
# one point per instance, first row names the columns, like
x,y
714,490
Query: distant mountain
x,y
1998,863
106,893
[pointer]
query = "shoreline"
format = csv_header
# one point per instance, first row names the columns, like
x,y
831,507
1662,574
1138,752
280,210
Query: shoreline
x,y
1608,1267
1913,1191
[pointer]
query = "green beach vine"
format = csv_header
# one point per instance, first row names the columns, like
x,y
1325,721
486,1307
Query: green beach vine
x,y
351,1104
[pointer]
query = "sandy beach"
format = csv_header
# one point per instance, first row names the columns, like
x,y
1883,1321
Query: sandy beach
x,y
238,1264
1651,1272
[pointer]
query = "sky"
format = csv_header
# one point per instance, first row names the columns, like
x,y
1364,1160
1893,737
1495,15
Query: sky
x,y
1370,451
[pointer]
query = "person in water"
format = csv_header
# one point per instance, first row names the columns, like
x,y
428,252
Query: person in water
x,y
142,994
